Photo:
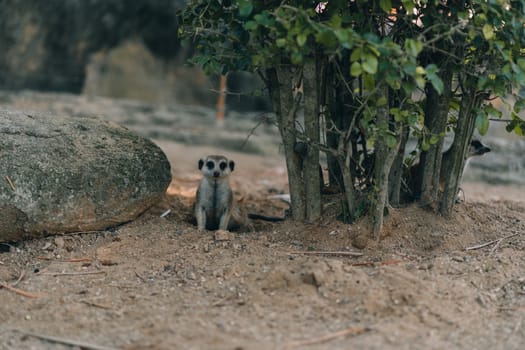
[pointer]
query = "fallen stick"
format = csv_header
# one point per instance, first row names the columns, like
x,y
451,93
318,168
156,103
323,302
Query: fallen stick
x,y
81,232
380,263
327,253
10,182
479,246
22,274
65,341
55,274
100,306
344,333
18,291
140,277
71,260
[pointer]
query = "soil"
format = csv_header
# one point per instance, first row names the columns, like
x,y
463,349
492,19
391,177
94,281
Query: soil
x,y
158,283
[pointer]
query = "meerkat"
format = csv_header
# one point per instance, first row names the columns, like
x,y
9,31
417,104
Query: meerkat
x,y
214,200
215,206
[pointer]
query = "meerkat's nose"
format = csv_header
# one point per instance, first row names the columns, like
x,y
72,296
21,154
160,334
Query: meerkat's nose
x,y
216,174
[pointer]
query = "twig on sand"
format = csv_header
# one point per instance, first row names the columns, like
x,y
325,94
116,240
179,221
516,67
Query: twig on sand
x,y
315,252
55,274
20,278
18,291
100,306
81,233
327,337
70,260
140,277
378,263
498,241
65,341
10,182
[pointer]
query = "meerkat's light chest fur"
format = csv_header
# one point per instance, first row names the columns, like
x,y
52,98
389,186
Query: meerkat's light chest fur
x,y
214,202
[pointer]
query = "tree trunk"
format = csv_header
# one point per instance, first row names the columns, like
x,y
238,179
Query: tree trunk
x,y
285,105
384,157
436,117
339,122
396,173
311,176
459,149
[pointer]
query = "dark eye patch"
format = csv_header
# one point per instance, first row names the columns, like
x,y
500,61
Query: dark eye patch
x,y
223,165
210,165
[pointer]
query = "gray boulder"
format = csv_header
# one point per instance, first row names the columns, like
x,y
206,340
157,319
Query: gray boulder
x,y
66,174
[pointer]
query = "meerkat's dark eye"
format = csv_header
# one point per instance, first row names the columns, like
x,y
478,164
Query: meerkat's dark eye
x,y
210,165
223,165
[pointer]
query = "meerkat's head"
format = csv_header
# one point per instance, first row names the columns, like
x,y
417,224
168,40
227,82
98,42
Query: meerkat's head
x,y
216,166
476,148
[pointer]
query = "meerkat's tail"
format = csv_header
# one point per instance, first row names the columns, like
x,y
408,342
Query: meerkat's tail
x,y
264,217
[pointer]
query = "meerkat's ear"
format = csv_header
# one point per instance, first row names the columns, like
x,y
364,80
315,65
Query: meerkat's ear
x,y
201,163
232,165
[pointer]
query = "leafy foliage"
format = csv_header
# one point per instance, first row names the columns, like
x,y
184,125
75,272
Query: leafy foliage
x,y
375,55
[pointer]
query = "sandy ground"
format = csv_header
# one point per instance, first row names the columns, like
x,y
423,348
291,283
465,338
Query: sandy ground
x,y
158,283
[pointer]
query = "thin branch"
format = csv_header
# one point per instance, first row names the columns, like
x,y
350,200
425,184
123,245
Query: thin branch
x,y
71,260
252,131
100,306
325,338
10,182
479,246
80,232
65,341
20,278
308,252
18,291
380,263
55,274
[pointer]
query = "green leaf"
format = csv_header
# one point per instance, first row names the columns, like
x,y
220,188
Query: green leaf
x,y
250,25
281,42
412,119
343,35
301,39
382,101
328,40
425,145
420,82
488,31
356,69
436,82
245,8
397,114
482,123
386,5
413,47
356,54
391,141
408,5
297,57
519,105
369,64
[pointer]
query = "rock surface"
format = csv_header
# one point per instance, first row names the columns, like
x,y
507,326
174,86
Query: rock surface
x,y
66,174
